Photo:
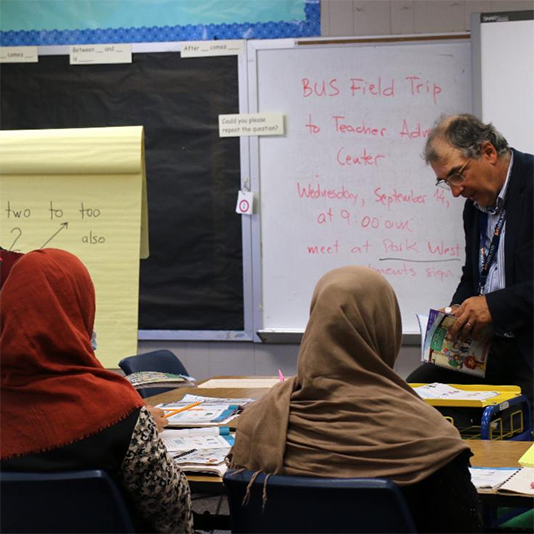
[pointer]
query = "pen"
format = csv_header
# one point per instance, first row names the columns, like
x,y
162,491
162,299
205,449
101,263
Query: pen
x,y
184,453
170,412
280,375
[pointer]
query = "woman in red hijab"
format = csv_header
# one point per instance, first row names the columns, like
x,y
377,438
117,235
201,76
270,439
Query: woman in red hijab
x,y
61,410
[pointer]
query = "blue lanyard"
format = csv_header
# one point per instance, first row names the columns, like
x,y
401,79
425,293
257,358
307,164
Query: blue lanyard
x,y
487,256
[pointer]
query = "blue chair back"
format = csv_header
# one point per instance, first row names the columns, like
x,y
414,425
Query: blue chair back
x,y
163,361
77,501
306,504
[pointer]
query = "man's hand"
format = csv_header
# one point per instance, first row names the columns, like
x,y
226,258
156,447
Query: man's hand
x,y
159,416
473,319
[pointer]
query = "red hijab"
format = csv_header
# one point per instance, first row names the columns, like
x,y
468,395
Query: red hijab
x,y
53,389
7,260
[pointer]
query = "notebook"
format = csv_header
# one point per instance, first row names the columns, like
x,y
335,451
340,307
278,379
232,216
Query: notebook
x,y
503,479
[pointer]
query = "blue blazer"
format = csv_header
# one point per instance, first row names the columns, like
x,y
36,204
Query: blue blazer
x,y
511,308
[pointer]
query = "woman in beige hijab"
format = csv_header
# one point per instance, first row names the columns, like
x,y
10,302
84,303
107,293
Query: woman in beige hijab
x,y
348,414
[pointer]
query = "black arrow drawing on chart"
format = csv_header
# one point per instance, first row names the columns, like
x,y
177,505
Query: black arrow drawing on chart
x,y
63,226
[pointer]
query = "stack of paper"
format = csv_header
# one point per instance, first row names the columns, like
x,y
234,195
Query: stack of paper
x,y
207,411
446,392
154,379
203,461
178,443
198,452
203,446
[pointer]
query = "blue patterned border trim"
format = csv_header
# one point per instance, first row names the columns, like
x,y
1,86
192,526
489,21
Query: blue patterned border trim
x,y
311,27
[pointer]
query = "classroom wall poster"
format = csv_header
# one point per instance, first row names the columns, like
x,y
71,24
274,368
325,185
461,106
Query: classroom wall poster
x,y
82,190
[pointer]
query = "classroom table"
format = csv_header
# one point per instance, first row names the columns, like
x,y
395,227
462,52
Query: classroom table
x,y
210,483
487,453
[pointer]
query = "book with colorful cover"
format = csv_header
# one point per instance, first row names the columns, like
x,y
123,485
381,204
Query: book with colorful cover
x,y
466,356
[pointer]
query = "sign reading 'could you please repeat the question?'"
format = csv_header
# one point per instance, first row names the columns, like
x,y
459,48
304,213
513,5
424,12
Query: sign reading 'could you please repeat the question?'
x,y
241,124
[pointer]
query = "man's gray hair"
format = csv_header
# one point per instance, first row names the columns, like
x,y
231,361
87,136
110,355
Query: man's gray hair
x,y
465,132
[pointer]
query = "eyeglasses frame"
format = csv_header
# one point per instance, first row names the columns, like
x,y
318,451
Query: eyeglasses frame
x,y
455,178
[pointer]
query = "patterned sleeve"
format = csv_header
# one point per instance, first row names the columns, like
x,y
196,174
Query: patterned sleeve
x,y
156,485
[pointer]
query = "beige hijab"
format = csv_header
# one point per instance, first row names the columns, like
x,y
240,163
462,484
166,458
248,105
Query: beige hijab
x,y
347,413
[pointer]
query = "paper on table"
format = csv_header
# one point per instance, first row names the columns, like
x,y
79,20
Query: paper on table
x,y
527,460
490,477
175,442
519,482
206,401
240,383
203,460
444,392
204,416
82,190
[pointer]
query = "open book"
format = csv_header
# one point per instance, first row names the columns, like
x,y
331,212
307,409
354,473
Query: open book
x,y
468,356
503,479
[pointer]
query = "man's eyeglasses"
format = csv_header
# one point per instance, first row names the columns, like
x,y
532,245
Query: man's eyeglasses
x,y
455,178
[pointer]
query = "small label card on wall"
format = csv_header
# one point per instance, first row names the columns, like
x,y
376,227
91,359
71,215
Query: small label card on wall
x,y
245,201
100,54
18,54
239,124
212,48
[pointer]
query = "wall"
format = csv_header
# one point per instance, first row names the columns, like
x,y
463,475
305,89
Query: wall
x,y
383,17
338,18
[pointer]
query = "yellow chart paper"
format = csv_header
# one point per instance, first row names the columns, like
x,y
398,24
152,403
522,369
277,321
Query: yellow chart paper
x,y
82,190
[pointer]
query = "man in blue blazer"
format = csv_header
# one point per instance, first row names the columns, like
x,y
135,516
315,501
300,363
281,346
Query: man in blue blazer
x,y
495,293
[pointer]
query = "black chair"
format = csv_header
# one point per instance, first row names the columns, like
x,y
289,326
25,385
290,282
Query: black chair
x,y
163,361
76,501
306,504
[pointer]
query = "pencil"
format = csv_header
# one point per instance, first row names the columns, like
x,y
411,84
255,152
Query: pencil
x,y
171,412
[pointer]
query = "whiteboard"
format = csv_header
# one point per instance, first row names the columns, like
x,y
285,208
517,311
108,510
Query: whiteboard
x,y
346,184
504,48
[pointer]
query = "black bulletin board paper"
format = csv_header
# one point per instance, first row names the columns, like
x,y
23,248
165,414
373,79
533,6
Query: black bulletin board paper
x,y
193,279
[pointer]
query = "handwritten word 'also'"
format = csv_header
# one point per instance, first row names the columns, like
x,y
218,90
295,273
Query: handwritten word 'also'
x,y
92,239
